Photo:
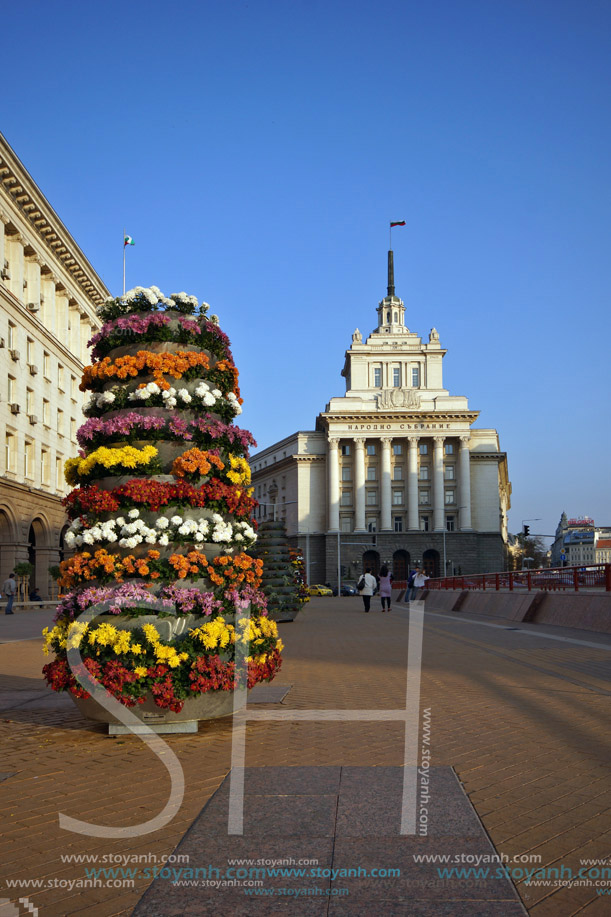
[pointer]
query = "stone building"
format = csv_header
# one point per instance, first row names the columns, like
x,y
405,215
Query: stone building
x,y
579,541
395,472
48,297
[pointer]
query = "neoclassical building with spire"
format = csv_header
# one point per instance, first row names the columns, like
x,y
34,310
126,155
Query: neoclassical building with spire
x,y
395,472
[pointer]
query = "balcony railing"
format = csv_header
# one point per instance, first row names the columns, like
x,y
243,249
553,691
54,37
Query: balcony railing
x,y
551,579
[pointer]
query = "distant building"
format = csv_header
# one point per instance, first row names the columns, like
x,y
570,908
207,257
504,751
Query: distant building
x,y
48,296
394,472
580,542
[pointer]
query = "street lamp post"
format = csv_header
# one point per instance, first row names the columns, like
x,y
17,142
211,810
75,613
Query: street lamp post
x,y
445,563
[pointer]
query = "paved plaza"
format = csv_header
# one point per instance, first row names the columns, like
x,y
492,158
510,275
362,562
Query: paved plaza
x,y
516,718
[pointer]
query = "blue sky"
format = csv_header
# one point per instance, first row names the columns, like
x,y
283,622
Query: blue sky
x,y
256,151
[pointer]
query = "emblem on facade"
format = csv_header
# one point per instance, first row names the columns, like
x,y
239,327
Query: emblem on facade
x,y
397,398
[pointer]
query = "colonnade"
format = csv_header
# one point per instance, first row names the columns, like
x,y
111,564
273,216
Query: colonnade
x,y
414,508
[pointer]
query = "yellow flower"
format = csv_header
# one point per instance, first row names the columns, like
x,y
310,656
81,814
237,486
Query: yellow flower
x,y
127,456
140,671
151,633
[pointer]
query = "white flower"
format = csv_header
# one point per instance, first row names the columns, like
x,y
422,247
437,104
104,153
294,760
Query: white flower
x,y
239,537
153,388
201,389
184,394
162,523
216,517
69,538
164,540
205,306
198,536
171,403
238,408
217,393
88,538
176,520
231,396
209,400
134,513
151,539
168,393
120,520
156,291
214,319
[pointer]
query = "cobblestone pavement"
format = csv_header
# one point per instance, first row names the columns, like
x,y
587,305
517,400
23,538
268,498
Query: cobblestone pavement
x,y
520,716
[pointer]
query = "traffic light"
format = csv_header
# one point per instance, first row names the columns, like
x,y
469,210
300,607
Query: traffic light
x,y
526,530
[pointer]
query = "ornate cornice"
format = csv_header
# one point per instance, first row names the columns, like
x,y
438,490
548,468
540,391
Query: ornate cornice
x,y
46,225
413,417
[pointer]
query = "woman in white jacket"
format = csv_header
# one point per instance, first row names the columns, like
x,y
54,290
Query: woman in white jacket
x,y
367,585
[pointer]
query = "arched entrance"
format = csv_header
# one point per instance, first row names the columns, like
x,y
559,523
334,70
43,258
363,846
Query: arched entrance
x,y
38,554
7,545
371,559
430,562
400,565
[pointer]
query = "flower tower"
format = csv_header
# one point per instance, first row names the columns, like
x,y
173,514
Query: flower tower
x,y
161,520
282,578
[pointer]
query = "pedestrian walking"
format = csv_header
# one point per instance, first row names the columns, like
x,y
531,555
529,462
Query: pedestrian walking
x,y
385,580
10,590
418,582
366,587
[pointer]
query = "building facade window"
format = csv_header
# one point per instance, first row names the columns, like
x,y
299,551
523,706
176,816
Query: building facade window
x,y
29,401
46,366
397,497
371,449
396,377
423,449
398,523
59,481
449,472
450,523
397,473
29,349
371,473
397,449
45,411
346,498
377,377
11,390
345,449
60,422
346,473
372,498
29,466
423,472
449,497
60,377
449,447
415,376
424,523
9,452
72,429
372,524
345,524
12,336
424,497
44,466
73,387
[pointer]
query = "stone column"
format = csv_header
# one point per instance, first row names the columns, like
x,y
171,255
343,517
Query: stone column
x,y
465,485
48,282
16,243
62,311
333,499
386,495
359,484
412,484
3,254
32,293
438,490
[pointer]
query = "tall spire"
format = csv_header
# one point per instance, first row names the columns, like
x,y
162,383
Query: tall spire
x,y
391,274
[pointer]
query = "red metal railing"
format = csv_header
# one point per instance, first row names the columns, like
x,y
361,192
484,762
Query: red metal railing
x,y
553,579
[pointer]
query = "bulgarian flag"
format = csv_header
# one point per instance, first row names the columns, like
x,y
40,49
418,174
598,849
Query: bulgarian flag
x,y
127,240
398,223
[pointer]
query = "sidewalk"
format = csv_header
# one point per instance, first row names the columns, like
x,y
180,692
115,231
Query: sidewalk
x,y
519,717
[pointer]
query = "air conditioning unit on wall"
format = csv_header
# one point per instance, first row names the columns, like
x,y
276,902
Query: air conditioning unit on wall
x,y
15,409
33,307
33,419
15,355
33,369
